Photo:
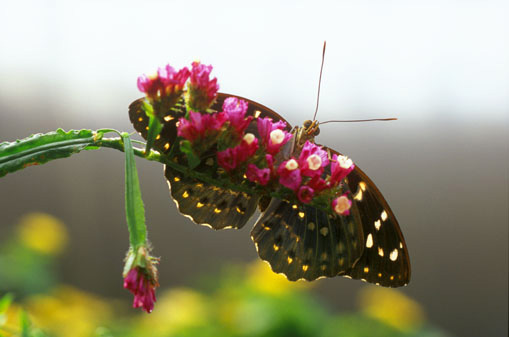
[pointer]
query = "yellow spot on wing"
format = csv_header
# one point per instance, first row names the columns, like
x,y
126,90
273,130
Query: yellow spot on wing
x,y
289,259
366,269
257,113
199,204
176,179
301,215
276,247
185,195
168,118
394,255
362,185
378,224
380,251
369,241
358,195
217,210
305,267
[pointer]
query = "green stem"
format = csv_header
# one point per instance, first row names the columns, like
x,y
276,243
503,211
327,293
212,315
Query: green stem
x,y
135,212
41,148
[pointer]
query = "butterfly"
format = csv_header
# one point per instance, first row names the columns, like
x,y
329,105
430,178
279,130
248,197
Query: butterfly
x,y
297,240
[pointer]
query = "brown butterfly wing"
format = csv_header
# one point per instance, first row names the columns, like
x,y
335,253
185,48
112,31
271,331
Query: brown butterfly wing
x,y
169,132
385,260
205,204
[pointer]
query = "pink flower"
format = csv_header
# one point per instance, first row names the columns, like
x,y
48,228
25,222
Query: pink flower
x,y
313,159
289,174
142,288
341,205
231,158
247,148
305,194
227,159
255,174
236,110
317,184
202,89
199,124
341,166
272,135
166,83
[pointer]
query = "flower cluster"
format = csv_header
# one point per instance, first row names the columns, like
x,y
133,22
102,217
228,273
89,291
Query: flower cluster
x,y
308,175
164,89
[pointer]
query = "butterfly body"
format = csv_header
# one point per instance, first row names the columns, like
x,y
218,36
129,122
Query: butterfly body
x,y
299,240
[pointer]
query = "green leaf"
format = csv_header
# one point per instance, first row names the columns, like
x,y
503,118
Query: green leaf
x,y
154,128
135,212
41,148
192,159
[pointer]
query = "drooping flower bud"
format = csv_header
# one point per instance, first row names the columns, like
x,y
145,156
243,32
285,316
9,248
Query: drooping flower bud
x,y
141,278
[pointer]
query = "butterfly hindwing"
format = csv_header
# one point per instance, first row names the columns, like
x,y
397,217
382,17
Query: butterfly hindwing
x,y
385,258
209,205
306,242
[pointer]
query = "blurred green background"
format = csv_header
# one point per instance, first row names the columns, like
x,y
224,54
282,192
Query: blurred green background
x,y
441,67
239,300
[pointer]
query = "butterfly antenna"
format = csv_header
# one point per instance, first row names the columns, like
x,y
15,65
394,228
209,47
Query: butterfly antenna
x,y
320,80
360,120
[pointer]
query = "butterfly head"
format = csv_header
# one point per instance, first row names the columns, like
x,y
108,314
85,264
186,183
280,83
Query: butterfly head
x,y
308,131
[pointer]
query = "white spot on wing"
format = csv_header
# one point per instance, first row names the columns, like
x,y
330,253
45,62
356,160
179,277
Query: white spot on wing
x,y
383,215
378,224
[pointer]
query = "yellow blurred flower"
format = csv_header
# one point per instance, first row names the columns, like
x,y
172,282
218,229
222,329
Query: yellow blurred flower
x,y
391,307
11,324
261,277
68,312
175,309
43,233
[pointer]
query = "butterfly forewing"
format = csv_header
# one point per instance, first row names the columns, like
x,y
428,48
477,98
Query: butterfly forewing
x,y
385,258
305,242
204,203
169,132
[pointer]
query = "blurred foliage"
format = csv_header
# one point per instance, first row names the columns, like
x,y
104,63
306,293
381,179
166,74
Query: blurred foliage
x,y
247,301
